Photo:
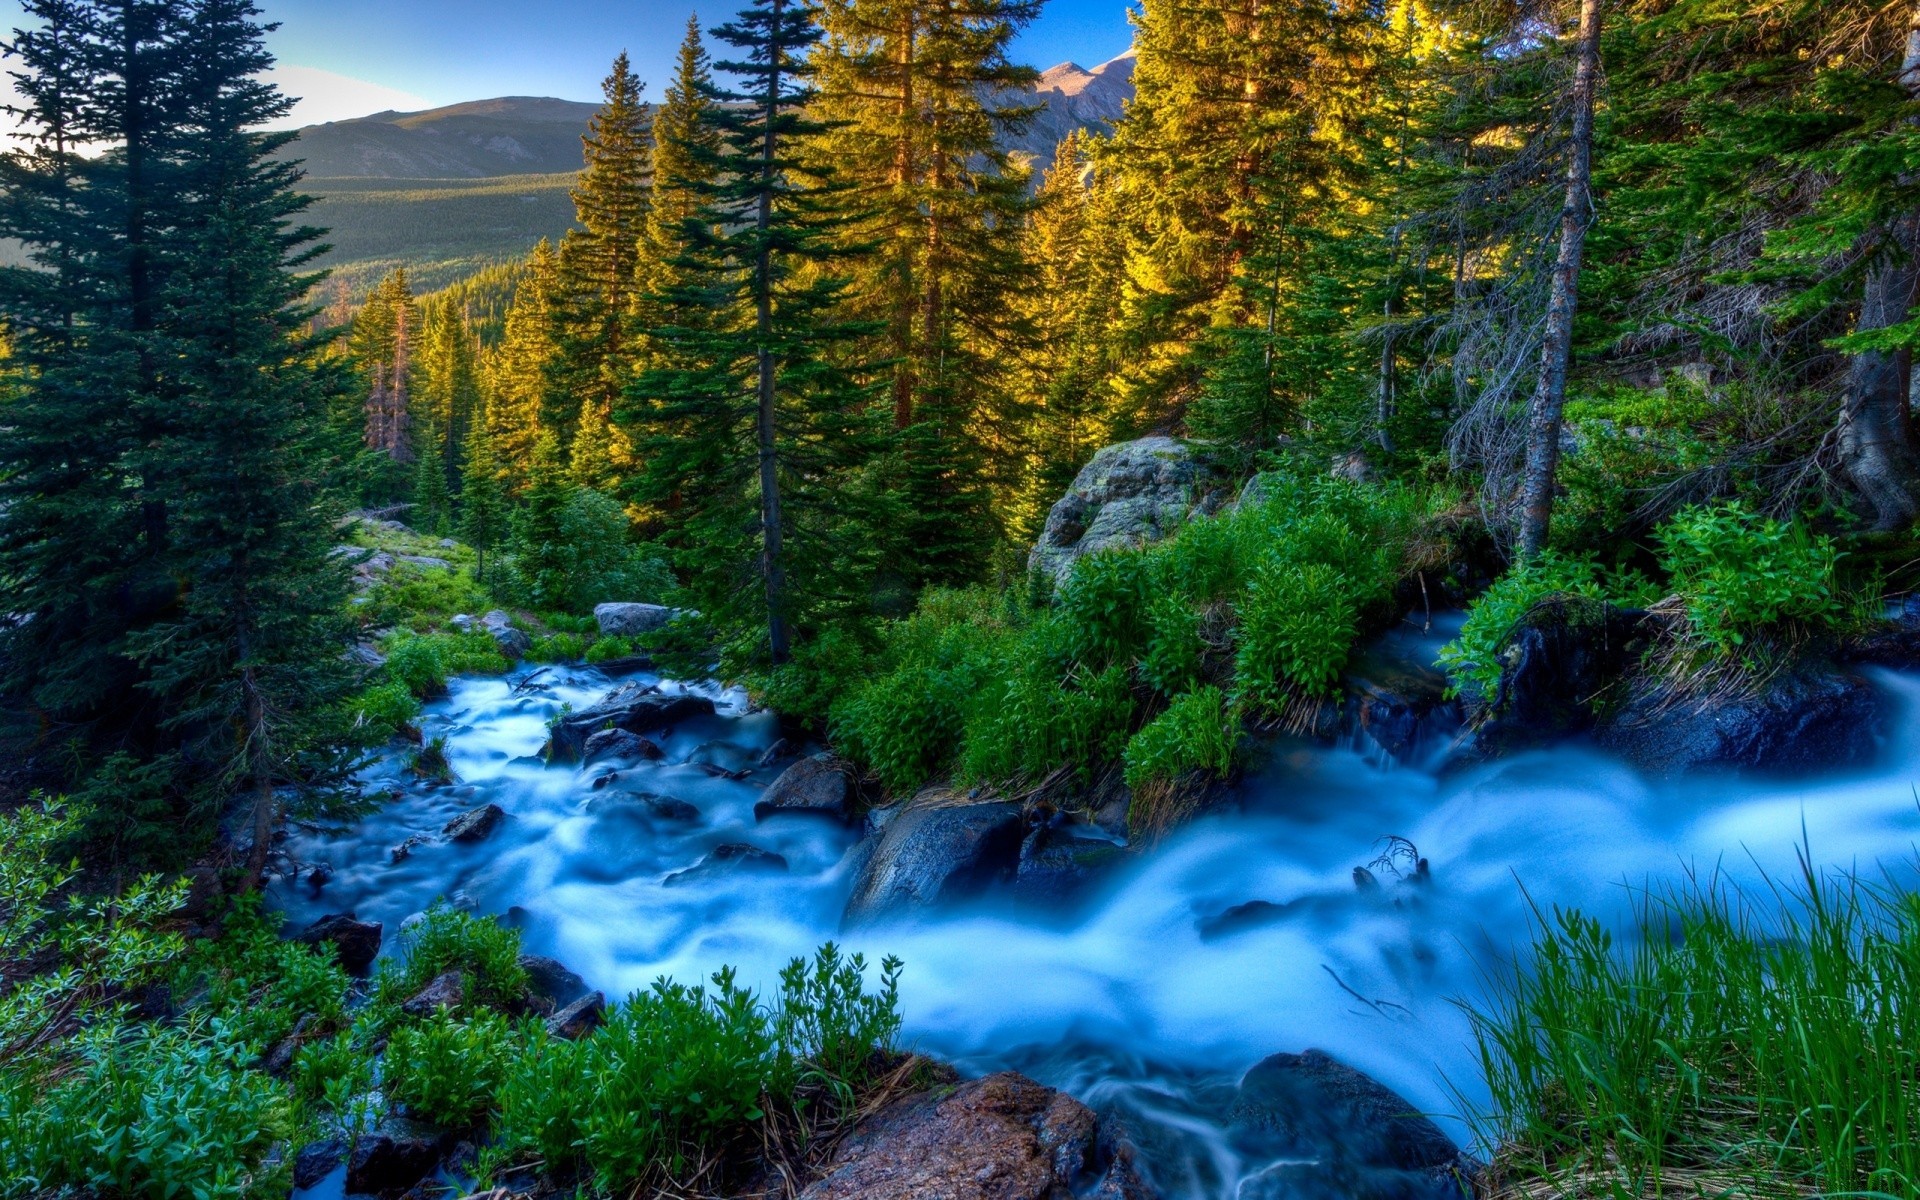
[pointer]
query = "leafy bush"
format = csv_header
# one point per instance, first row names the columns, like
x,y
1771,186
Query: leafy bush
x,y
382,711
1473,660
578,553
260,986
447,938
1741,573
1197,732
558,648
1297,624
430,761
1029,722
607,649
424,662
448,1068
421,598
1173,659
146,1112
1104,607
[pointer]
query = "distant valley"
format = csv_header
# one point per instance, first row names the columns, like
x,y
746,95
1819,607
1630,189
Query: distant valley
x,y
448,191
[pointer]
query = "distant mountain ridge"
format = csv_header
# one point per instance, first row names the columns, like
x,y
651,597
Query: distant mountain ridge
x,y
1072,97
511,135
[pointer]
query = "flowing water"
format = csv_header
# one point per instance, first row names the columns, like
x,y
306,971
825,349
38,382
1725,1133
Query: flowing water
x,y
1134,999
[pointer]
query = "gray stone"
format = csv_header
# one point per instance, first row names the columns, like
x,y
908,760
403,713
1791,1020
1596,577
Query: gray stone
x,y
476,824
813,785
548,979
939,849
729,859
1312,1106
620,744
634,707
445,990
1129,495
317,1160
579,1018
514,643
1806,719
355,943
631,620
462,622
425,562
395,1156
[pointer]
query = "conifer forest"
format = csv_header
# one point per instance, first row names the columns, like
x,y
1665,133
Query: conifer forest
x,y
1348,631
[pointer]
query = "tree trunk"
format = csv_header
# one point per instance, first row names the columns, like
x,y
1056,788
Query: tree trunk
x,y
1876,425
905,382
1543,425
771,565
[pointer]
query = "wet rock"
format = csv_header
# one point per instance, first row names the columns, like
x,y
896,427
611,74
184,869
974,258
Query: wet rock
x,y
1129,495
404,850
549,980
1003,1137
1560,657
514,643
1123,1181
1807,719
1399,698
633,707
317,1160
320,876
633,804
355,942
631,620
579,1018
278,1060
1354,1129
626,664
940,848
475,825
620,744
395,1156
813,785
729,859
445,990
1060,866
780,751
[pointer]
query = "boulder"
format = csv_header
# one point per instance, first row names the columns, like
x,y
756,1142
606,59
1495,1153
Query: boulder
x,y
1559,658
1003,1137
394,1156
461,622
579,1018
780,751
1399,700
634,707
631,620
941,848
1129,495
729,859
476,824
818,784
356,943
1808,719
317,1160
550,982
620,744
1346,1134
514,643
1058,867
445,990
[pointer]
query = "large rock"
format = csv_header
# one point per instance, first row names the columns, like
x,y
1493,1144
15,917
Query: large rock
x,y
475,825
631,620
514,643
733,858
1809,719
633,707
355,943
941,848
620,744
445,990
395,1156
1346,1135
550,983
1558,660
579,1018
818,784
1003,1137
1129,495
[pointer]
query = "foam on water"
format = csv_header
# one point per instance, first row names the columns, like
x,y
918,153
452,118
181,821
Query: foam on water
x,y
1125,1000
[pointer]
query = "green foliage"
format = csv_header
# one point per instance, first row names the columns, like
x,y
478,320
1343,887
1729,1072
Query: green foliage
x,y
147,1112
1197,732
446,938
383,710
430,761
447,1068
1172,662
1731,1043
1029,721
421,598
424,662
259,986
1473,660
558,648
1741,573
571,549
607,649
1297,624
1105,606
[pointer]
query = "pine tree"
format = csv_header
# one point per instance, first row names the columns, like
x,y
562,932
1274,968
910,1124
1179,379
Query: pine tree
x,y
523,399
432,499
685,151
383,339
599,260
483,501
447,389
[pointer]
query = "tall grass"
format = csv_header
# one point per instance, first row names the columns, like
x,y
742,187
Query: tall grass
x,y
1743,1043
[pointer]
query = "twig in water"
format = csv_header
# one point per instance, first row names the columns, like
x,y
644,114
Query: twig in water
x,y
1378,1006
528,681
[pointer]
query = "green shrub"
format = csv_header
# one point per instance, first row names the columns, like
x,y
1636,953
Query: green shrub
x,y
830,1023
1472,660
447,1069
447,938
1172,661
382,711
146,1112
260,986
1741,573
607,649
430,761
579,554
824,669
1025,724
558,648
1297,625
1103,606
1197,732
421,598
424,662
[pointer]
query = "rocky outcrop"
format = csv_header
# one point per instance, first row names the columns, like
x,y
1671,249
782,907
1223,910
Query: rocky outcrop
x,y
1811,718
631,620
620,744
942,847
1559,660
513,643
634,707
1003,1137
1343,1135
819,784
1130,495
355,943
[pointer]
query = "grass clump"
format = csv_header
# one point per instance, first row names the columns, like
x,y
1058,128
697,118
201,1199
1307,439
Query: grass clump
x,y
1734,1044
1197,732
607,649
446,939
1743,575
423,663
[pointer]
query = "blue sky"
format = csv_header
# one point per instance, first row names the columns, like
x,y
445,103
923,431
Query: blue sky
x,y
352,57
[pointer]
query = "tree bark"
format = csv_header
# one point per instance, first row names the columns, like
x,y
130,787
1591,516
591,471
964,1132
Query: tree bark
x,y
1876,423
772,566
1550,397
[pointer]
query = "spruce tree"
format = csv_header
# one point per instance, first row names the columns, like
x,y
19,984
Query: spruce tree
x,y
483,501
524,400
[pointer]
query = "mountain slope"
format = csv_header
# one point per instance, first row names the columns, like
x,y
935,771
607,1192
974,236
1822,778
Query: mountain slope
x,y
513,135
1072,97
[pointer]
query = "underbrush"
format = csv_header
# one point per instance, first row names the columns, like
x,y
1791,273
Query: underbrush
x,y
1250,614
1733,1043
